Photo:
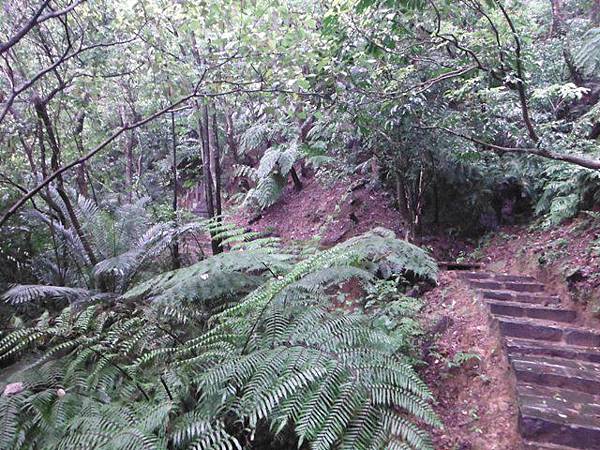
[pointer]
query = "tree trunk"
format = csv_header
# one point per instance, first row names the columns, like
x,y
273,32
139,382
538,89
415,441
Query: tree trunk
x,y
557,27
46,195
176,257
232,142
217,166
130,143
596,13
42,113
82,176
297,183
207,175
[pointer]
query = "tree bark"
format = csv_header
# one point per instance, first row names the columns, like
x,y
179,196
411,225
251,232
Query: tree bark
x,y
217,167
571,159
176,257
297,183
42,113
557,27
207,175
596,13
130,143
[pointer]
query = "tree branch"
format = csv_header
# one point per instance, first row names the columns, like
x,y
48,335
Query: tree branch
x,y
521,81
544,153
15,207
35,20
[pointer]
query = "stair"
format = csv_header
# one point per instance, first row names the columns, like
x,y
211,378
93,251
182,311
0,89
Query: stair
x,y
556,362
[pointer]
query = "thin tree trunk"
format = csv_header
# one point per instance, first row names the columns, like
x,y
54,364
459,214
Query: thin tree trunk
x,y
596,13
176,257
436,194
217,167
401,200
81,172
42,112
130,142
207,175
297,183
520,74
557,18
46,195
232,142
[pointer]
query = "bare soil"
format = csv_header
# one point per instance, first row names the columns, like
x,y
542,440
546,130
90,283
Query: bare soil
x,y
329,211
333,211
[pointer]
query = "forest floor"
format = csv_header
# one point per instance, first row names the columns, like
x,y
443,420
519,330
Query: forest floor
x,y
327,211
331,211
465,365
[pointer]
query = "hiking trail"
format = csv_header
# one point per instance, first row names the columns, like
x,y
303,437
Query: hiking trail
x,y
555,361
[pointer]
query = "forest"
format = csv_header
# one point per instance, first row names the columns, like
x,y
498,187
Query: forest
x,y
300,224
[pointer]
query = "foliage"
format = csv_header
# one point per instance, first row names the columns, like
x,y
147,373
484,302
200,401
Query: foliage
x,y
473,114
138,375
587,58
396,315
125,241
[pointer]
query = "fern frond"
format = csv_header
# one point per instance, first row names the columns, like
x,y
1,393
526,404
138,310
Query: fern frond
x,y
26,293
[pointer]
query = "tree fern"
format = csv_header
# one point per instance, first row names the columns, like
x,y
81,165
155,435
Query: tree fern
x,y
125,246
171,373
587,59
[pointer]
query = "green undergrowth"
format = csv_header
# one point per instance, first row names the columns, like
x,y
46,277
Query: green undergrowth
x,y
240,350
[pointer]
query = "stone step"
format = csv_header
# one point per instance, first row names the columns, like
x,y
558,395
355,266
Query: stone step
x,y
514,278
517,309
548,331
510,296
462,266
556,372
476,275
529,445
518,286
517,346
499,277
561,417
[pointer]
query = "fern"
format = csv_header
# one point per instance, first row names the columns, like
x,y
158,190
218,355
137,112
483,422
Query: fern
x,y
171,373
135,244
20,294
271,174
587,59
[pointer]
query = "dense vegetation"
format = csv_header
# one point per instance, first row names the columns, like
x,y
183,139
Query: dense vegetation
x,y
136,314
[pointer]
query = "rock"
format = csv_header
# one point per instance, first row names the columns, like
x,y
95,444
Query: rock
x,y
442,325
254,219
13,388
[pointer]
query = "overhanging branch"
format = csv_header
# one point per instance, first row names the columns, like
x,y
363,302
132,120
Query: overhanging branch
x,y
581,161
194,94
46,181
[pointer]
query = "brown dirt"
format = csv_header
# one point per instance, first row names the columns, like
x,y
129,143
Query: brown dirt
x,y
475,400
330,211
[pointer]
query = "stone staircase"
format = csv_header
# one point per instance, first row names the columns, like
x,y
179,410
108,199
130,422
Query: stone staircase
x,y
556,362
